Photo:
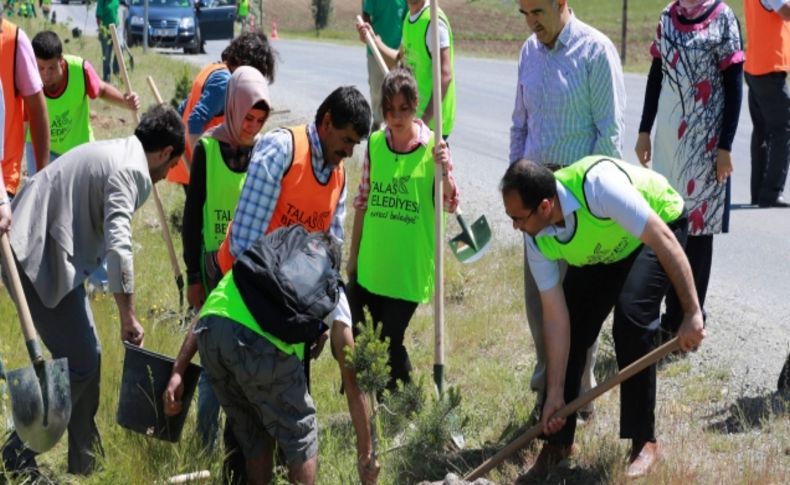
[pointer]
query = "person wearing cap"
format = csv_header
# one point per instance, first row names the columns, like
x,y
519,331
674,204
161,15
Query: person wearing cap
x,y
219,168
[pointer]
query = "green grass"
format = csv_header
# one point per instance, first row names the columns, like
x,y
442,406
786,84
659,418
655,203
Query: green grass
x,y
712,436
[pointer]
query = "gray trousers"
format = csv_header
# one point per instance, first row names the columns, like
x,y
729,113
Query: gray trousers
x,y
67,331
535,321
769,106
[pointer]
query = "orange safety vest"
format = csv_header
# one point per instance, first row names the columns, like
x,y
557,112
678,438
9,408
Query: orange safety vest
x,y
14,142
767,40
179,174
303,198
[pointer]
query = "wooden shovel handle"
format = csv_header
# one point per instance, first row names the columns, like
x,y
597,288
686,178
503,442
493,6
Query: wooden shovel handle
x,y
158,201
638,366
438,297
374,49
29,331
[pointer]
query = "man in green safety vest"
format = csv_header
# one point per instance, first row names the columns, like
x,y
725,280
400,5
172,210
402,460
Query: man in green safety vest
x,y
621,229
69,83
416,51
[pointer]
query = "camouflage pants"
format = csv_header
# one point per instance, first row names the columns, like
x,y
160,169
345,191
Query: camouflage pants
x,y
262,390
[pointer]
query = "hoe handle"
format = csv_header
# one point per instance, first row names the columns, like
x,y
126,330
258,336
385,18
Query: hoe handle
x,y
374,49
31,337
573,406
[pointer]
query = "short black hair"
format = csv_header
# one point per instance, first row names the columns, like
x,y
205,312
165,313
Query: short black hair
x,y
533,183
251,49
346,106
399,81
161,127
47,45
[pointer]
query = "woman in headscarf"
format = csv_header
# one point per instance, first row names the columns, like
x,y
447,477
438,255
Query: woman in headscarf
x,y
694,90
219,168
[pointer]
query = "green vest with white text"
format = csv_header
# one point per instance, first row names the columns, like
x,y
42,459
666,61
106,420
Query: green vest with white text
x,y
396,251
604,241
223,188
69,113
418,58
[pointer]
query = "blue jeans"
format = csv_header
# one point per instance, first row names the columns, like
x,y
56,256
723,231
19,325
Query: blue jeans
x,y
207,413
30,158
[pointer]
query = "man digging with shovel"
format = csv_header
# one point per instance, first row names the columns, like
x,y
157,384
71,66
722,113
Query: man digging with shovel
x,y
66,220
621,229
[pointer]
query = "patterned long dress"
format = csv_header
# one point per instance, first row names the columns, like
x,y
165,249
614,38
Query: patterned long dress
x,y
690,109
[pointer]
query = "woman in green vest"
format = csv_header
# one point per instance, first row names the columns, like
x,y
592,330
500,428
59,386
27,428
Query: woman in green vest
x,y
391,264
219,168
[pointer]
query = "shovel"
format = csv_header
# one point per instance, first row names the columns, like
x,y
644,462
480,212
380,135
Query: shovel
x,y
474,240
40,393
634,368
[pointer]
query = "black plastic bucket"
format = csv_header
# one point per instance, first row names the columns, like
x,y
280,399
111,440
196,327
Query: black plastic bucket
x,y
140,407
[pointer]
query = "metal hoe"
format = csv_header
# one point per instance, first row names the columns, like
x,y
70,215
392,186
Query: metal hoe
x,y
40,393
634,368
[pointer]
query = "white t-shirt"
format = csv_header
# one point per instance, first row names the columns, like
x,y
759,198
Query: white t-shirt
x,y
444,34
610,194
342,312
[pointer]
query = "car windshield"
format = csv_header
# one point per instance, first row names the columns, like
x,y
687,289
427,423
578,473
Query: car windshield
x,y
162,3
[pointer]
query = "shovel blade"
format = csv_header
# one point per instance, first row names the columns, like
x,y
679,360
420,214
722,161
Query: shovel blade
x,y
40,403
473,242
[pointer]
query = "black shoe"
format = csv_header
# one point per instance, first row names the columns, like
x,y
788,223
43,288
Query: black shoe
x,y
779,202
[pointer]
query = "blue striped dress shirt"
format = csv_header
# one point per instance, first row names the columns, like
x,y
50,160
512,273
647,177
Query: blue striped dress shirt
x,y
270,159
570,100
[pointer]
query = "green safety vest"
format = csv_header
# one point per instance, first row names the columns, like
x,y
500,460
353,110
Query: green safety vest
x,y
223,188
69,113
604,241
226,301
418,58
244,8
396,249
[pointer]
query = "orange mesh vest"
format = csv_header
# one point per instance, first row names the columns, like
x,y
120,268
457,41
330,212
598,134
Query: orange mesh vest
x,y
767,40
303,198
179,173
14,142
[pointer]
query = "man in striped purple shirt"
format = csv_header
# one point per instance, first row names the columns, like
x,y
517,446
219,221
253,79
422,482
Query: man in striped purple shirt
x,y
570,100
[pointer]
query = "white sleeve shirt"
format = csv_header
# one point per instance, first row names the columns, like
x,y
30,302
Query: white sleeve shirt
x,y
610,194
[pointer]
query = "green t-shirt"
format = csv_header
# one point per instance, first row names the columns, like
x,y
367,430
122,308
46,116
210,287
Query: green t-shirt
x,y
386,18
107,12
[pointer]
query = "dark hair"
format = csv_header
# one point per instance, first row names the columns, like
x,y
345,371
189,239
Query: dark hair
x,y
161,127
533,182
398,81
251,49
47,45
346,106
261,105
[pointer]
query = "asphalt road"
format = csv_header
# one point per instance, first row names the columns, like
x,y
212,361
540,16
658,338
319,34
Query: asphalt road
x,y
749,294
